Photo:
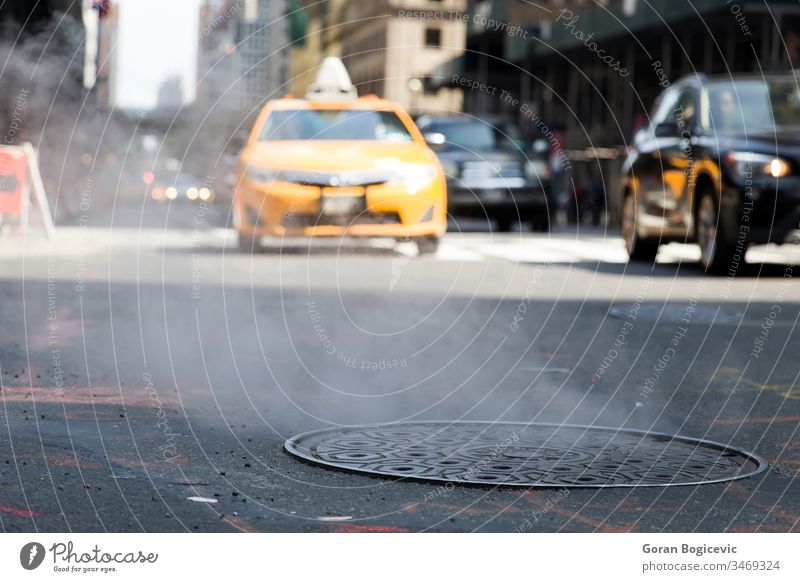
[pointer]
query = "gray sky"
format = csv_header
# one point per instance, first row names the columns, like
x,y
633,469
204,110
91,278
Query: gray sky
x,y
157,40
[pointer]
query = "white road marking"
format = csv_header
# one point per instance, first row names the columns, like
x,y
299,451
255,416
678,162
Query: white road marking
x,y
557,248
453,250
334,518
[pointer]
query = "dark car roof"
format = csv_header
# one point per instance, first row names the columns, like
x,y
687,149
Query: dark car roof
x,y
704,78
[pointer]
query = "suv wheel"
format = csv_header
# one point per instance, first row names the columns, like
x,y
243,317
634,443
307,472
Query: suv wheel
x,y
540,222
716,254
639,249
503,224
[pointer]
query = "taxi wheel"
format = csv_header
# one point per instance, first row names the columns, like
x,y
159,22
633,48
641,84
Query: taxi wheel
x,y
427,245
248,244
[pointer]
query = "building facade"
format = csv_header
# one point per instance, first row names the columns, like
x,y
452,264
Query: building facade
x,y
262,50
390,48
321,38
243,56
590,71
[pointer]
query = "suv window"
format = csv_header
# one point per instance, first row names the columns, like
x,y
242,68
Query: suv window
x,y
478,135
677,107
752,105
665,103
685,112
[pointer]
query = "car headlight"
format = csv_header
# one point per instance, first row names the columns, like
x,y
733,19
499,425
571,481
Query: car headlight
x,y
450,169
752,165
263,175
536,170
417,177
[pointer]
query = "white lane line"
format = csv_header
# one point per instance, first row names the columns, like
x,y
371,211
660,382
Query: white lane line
x,y
542,250
455,251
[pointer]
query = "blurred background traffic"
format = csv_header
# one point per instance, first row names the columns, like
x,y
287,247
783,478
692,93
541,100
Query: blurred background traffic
x,y
115,93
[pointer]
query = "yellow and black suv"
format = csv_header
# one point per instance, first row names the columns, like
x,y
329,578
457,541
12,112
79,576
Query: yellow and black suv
x,y
719,165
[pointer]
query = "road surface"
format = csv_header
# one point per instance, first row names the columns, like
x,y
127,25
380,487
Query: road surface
x,y
151,375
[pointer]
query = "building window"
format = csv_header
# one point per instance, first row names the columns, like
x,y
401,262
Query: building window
x,y
433,37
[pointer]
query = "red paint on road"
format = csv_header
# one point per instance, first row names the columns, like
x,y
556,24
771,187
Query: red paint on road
x,y
239,524
98,395
756,528
18,512
73,462
756,420
599,526
353,528
745,494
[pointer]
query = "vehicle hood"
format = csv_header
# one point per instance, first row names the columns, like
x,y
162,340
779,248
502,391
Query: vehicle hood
x,y
335,155
460,156
488,169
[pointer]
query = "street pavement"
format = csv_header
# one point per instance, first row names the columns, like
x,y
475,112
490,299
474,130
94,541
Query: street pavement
x,y
150,376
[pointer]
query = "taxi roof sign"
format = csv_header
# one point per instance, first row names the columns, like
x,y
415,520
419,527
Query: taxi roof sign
x,y
332,82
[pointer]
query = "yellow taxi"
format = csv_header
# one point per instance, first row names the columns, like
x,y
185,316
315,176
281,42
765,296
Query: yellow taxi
x,y
335,164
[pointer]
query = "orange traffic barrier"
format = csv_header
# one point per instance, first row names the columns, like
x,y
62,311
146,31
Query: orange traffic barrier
x,y
14,182
19,179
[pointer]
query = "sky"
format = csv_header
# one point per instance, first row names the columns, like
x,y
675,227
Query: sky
x,y
157,40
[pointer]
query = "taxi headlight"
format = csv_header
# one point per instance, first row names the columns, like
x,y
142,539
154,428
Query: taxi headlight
x,y
418,177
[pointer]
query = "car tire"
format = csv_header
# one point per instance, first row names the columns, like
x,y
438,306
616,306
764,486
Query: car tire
x,y
503,224
540,223
638,248
716,253
427,245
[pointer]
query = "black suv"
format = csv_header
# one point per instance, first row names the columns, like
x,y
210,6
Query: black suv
x,y
489,173
719,165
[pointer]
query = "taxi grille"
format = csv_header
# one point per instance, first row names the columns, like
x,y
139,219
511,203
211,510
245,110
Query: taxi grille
x,y
337,179
306,220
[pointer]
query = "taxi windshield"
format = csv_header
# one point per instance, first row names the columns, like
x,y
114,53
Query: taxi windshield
x,y
334,124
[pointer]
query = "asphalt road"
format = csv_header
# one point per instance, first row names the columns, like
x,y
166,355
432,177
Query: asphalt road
x,y
143,366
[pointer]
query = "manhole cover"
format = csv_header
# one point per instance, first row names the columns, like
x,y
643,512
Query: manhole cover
x,y
676,313
525,455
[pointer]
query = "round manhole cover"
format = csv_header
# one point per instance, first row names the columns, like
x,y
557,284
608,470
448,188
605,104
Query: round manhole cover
x,y
525,455
673,313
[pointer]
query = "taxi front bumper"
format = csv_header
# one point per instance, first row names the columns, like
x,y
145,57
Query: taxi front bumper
x,y
382,210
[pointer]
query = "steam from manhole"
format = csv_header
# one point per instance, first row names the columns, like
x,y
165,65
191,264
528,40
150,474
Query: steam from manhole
x,y
525,455
677,313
